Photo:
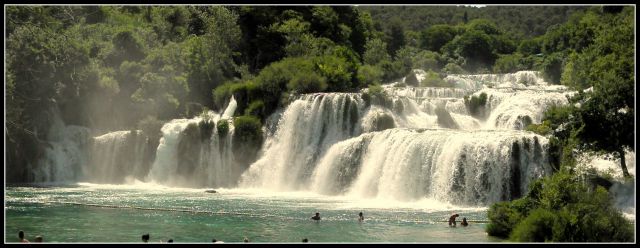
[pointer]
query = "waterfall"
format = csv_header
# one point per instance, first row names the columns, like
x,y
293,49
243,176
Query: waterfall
x,y
413,142
231,108
515,109
308,127
65,153
460,167
192,153
407,144
117,156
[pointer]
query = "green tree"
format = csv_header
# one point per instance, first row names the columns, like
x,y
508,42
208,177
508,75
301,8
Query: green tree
x,y
375,52
509,63
436,36
396,37
475,47
604,118
208,61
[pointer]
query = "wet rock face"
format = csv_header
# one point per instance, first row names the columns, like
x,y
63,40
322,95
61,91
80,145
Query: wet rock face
x,y
444,118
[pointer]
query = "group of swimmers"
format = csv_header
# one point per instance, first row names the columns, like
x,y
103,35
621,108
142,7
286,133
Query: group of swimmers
x,y
317,217
145,237
452,221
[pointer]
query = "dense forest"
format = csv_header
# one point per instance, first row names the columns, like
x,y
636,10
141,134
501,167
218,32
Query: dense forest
x,y
136,67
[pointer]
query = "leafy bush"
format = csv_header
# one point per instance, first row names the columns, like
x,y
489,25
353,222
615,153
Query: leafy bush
x,y
151,127
552,66
542,128
537,227
339,73
453,68
433,79
392,71
222,128
256,108
376,90
206,128
530,46
307,83
369,74
426,60
509,63
560,208
475,104
502,219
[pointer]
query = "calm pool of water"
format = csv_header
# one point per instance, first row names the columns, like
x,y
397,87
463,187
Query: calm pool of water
x,y
122,213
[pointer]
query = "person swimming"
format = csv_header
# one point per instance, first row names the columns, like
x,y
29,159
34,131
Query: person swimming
x,y
452,219
464,222
145,238
360,217
316,217
21,236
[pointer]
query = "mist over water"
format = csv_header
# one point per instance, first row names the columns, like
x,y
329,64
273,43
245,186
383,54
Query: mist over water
x,y
419,144
432,147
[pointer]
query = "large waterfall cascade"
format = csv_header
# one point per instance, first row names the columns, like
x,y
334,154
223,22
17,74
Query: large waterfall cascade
x,y
417,143
421,143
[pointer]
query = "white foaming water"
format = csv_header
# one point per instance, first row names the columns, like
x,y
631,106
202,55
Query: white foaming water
x,y
459,167
509,108
208,163
425,92
65,153
115,156
517,80
308,127
231,108
192,153
326,144
480,163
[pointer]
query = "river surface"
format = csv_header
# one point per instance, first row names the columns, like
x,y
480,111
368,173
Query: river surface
x,y
104,213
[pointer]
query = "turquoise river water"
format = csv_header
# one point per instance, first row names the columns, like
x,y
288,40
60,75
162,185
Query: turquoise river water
x,y
103,213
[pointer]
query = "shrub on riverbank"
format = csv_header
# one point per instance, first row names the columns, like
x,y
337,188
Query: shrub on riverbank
x,y
560,208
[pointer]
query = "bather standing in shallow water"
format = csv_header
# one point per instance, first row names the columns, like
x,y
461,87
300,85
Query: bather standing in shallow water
x,y
452,220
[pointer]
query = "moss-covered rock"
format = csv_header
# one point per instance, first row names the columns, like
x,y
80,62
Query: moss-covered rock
x,y
223,128
476,105
247,138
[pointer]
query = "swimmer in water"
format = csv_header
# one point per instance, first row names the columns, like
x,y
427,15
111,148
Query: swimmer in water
x,y
316,217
